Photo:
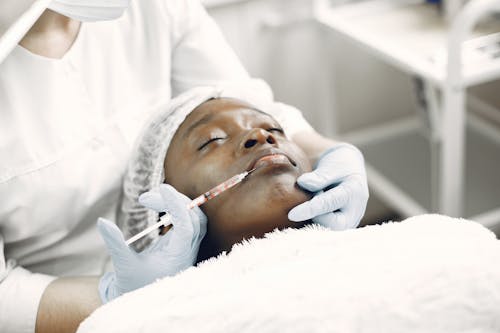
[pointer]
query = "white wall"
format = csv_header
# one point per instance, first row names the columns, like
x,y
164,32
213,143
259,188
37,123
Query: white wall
x,y
286,57
337,87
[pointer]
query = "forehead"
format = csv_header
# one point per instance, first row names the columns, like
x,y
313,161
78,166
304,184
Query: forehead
x,y
220,108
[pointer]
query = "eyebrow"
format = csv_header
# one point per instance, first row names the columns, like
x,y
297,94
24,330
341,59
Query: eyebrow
x,y
204,120
261,112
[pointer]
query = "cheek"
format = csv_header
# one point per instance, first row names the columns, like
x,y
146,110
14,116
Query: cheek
x,y
195,176
298,155
184,177
208,174
281,193
302,161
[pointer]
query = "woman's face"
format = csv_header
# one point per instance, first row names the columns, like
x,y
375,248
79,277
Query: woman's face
x,y
222,138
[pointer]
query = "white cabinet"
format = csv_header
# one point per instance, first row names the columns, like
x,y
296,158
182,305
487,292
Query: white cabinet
x,y
412,172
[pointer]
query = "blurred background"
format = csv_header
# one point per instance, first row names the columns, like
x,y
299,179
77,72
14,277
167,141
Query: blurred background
x,y
375,73
343,88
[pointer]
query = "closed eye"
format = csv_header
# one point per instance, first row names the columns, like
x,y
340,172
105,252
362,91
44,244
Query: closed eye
x,y
276,129
209,142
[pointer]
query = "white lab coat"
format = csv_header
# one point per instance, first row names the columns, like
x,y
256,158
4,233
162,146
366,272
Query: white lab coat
x,y
66,130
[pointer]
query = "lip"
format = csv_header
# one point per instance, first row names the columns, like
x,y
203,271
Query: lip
x,y
266,153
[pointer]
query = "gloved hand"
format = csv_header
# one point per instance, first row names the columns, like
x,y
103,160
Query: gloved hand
x,y
339,181
170,254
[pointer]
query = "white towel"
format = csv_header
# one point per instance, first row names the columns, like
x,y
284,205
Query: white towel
x,y
427,274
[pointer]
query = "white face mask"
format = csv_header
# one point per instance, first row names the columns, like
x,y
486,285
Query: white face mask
x,y
90,10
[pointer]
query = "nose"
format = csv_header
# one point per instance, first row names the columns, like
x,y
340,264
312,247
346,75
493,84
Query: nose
x,y
258,136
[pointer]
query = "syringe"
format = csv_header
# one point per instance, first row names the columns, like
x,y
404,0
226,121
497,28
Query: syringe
x,y
198,201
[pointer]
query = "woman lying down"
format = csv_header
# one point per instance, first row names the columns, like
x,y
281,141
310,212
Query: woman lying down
x,y
427,274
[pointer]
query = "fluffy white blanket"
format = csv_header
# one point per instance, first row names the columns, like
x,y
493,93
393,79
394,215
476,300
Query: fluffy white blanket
x,y
426,274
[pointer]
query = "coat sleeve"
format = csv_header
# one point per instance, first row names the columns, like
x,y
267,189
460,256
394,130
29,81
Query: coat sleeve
x,y
20,294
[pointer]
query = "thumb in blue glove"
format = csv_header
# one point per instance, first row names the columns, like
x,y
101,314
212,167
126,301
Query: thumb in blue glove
x,y
170,254
341,189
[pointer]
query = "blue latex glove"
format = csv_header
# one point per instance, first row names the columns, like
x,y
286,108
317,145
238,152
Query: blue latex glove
x,y
341,189
170,254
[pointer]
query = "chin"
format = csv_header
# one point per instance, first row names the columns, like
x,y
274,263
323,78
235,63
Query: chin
x,y
284,191
280,196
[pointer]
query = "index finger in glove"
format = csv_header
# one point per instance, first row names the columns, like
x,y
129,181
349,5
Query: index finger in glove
x,y
320,204
177,207
333,166
321,178
153,200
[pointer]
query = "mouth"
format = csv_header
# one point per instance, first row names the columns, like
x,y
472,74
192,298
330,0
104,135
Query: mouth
x,y
271,158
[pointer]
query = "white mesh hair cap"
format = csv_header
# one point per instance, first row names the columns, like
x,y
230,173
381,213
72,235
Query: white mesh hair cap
x,y
145,169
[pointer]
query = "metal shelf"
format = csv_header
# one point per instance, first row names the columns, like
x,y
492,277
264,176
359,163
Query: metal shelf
x,y
445,55
399,158
412,35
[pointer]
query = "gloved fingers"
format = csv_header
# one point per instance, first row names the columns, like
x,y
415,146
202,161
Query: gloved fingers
x,y
189,225
153,200
160,199
199,225
200,216
183,226
195,225
179,206
175,202
321,178
334,165
113,237
182,234
160,243
188,235
167,198
169,193
322,203
107,287
335,220
358,211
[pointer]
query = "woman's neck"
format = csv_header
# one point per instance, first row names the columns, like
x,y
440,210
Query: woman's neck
x,y
52,35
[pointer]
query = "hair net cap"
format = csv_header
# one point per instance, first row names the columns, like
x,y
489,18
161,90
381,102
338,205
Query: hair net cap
x,y
145,169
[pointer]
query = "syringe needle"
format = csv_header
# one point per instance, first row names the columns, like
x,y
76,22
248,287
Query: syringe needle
x,y
198,201
148,229
222,187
